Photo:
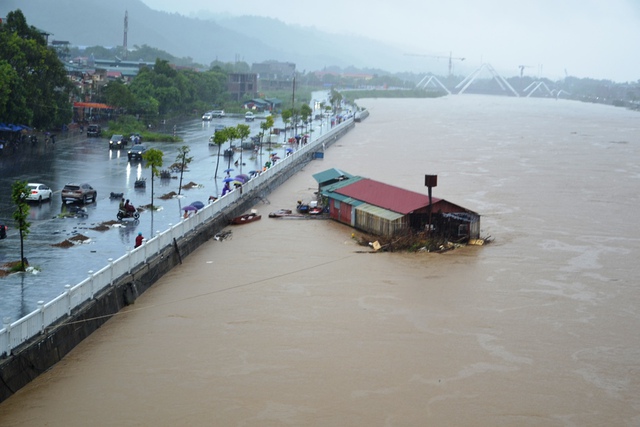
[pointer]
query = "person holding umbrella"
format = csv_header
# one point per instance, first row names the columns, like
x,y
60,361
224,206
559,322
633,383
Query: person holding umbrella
x,y
226,188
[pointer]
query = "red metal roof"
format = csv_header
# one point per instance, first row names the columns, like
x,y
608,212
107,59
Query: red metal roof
x,y
386,196
91,105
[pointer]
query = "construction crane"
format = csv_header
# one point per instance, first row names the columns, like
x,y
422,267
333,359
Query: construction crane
x,y
522,67
451,58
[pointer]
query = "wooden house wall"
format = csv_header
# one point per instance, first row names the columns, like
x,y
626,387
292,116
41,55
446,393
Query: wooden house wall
x,y
379,226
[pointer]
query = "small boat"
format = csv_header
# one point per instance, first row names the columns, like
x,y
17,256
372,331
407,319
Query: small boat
x,y
302,207
280,213
245,219
315,210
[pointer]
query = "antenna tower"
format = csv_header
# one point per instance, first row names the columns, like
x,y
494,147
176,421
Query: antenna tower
x,y
126,29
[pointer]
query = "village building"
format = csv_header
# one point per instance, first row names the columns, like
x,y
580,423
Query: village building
x,y
385,210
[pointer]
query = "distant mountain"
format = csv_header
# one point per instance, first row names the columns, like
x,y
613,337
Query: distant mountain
x,y
248,38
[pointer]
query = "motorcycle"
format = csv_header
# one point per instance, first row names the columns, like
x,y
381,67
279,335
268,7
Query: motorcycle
x,y
122,214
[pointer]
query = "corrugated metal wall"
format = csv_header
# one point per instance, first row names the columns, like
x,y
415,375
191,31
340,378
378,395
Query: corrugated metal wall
x,y
374,224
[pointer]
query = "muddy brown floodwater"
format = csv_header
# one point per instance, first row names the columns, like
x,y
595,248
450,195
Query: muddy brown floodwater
x,y
288,322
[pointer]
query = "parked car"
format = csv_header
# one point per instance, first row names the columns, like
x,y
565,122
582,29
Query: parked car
x,y
136,152
217,113
78,193
117,142
38,192
207,116
3,231
94,130
249,116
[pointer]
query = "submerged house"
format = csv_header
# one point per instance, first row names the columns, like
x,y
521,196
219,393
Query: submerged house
x,y
385,210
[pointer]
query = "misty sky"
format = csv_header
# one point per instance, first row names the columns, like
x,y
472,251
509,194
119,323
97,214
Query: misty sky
x,y
587,38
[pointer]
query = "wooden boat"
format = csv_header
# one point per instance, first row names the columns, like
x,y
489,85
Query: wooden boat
x,y
280,213
245,219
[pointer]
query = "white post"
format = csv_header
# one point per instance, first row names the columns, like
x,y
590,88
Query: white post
x,y
41,308
67,292
90,273
6,322
110,271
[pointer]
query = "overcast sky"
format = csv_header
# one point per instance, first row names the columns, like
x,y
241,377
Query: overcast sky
x,y
587,38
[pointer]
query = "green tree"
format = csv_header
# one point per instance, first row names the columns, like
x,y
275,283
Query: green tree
x,y
118,95
19,192
184,159
219,138
335,99
243,133
232,134
40,90
286,118
153,160
305,113
266,126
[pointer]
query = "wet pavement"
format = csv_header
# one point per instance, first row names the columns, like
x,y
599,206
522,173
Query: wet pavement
x,y
76,158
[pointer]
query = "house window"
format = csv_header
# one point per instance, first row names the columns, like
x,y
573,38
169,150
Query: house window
x,y
463,230
336,204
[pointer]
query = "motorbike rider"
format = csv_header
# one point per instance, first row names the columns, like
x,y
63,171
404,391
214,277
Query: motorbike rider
x,y
128,208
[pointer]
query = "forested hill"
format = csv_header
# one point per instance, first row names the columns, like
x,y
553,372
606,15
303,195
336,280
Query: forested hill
x,y
249,39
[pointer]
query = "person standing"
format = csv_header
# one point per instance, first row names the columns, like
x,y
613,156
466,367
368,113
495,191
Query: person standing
x,y
139,239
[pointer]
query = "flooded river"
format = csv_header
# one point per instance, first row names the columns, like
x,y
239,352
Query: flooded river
x,y
288,323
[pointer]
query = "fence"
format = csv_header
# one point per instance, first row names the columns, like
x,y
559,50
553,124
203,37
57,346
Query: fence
x,y
16,333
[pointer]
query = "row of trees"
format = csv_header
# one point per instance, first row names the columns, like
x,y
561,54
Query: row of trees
x,y
165,90
34,88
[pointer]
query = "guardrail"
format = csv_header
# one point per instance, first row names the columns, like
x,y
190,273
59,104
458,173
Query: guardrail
x,y
16,333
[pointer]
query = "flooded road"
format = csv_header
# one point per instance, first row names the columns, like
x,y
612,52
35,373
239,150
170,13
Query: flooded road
x,y
76,158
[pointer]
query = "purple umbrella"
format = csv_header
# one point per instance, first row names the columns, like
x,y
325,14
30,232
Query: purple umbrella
x,y
228,179
242,177
190,208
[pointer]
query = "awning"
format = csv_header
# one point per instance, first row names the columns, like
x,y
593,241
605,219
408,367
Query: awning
x,y
92,105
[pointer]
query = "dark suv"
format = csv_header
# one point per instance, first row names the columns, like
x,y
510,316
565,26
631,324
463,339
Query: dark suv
x,y
78,193
136,152
117,142
94,130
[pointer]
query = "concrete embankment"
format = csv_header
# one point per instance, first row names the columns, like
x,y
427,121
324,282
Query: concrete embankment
x,y
34,357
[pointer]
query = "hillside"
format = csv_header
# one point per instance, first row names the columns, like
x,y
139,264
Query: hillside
x,y
205,39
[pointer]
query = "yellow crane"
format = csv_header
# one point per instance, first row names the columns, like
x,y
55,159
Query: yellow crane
x,y
451,58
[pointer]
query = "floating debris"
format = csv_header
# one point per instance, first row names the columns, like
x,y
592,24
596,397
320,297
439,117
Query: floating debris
x,y
223,235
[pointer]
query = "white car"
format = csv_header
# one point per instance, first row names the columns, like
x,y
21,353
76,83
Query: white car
x,y
207,116
38,192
